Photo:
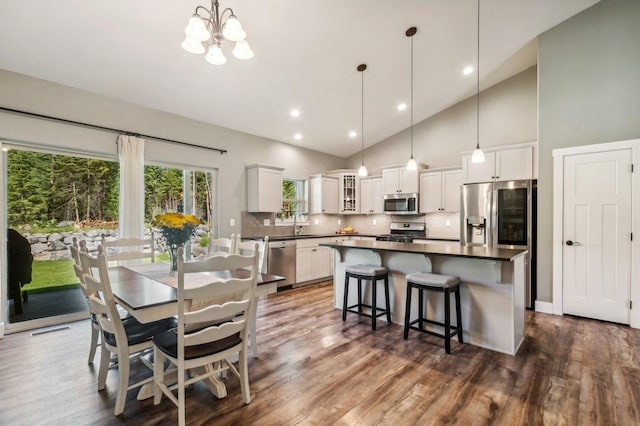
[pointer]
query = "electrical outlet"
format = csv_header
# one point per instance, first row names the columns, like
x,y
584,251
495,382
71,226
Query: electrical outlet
x,y
316,221
375,221
266,222
339,222
232,222
447,222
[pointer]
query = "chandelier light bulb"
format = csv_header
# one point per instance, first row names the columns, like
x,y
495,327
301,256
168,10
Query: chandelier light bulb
x,y
242,50
215,55
192,45
233,30
196,29
362,171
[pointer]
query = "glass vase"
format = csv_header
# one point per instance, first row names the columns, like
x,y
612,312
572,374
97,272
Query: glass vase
x,y
173,258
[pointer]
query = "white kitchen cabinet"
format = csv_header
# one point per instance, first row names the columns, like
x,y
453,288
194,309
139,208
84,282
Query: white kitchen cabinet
x,y
323,194
398,179
312,262
371,195
348,191
264,188
501,164
440,191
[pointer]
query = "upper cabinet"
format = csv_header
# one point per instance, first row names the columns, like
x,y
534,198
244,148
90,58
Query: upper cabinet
x,y
371,195
348,191
264,188
502,164
398,179
323,194
440,191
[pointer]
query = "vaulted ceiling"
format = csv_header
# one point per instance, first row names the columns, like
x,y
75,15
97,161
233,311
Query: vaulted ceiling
x,y
306,54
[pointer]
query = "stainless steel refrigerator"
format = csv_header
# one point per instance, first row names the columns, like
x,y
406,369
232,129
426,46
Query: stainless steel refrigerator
x,y
503,215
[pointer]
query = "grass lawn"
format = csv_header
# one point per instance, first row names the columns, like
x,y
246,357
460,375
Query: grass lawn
x,y
51,275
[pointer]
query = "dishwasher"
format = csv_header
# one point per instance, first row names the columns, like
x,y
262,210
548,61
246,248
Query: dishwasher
x,y
282,261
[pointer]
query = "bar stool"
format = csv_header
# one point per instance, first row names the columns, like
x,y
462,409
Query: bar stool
x,y
423,281
368,273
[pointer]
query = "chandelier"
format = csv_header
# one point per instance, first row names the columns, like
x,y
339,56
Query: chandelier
x,y
206,28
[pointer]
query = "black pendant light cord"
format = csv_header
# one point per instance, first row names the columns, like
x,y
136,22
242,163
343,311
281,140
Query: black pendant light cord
x,y
478,84
361,69
411,112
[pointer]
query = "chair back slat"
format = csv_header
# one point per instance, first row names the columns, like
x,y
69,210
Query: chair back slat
x,y
214,332
246,248
125,249
216,312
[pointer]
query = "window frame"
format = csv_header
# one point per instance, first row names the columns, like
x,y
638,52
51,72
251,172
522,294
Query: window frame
x,y
300,217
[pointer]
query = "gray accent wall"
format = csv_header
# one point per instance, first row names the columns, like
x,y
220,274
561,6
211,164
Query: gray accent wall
x,y
589,92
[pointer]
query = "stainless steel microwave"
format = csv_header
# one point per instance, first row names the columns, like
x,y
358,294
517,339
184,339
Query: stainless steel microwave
x,y
401,203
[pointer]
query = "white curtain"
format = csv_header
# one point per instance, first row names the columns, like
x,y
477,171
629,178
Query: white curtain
x,y
131,203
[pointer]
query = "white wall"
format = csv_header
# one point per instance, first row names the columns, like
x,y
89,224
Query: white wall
x,y
589,90
25,93
508,115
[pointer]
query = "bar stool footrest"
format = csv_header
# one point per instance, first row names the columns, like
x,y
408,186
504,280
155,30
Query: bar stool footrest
x,y
454,329
379,311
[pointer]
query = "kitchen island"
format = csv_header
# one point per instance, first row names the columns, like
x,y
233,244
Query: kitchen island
x,y
492,285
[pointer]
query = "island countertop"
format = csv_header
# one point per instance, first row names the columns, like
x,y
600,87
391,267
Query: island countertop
x,y
486,253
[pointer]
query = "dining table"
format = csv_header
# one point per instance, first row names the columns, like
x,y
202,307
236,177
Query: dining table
x,y
149,293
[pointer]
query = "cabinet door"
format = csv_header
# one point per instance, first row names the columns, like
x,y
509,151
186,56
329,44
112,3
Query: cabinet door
x,y
321,262
377,196
409,181
514,164
391,180
349,194
329,195
264,189
479,172
304,264
366,190
451,183
430,192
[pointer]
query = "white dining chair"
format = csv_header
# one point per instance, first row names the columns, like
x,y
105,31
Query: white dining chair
x,y
247,248
75,249
218,246
124,338
129,249
208,336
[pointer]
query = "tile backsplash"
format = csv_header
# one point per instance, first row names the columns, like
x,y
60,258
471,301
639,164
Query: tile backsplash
x,y
439,225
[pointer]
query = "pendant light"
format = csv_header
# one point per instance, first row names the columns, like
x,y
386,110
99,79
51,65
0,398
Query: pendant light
x,y
478,155
362,171
411,164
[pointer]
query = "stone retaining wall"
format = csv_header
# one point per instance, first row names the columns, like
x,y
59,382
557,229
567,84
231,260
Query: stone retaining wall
x,y
55,246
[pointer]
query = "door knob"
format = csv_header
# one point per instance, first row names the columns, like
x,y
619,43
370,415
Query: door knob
x,y
570,243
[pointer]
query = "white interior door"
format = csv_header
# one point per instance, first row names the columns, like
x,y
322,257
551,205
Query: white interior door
x,y
597,235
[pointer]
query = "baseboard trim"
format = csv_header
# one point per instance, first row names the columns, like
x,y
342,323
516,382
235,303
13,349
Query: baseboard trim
x,y
544,307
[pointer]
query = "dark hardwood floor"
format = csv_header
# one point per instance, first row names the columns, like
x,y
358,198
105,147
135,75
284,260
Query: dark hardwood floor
x,y
315,370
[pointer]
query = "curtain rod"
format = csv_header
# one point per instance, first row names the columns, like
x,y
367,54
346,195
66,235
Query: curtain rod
x,y
107,129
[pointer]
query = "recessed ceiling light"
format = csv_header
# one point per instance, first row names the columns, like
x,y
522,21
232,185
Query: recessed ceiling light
x,y
297,136
467,70
295,113
402,106
353,134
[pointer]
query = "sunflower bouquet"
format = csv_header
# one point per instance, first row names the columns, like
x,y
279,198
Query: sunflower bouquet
x,y
176,228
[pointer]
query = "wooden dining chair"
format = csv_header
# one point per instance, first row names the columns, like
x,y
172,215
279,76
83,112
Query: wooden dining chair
x,y
128,249
208,336
75,249
128,339
218,246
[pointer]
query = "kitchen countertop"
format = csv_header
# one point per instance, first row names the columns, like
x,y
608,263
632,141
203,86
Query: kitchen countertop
x,y
305,236
434,249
